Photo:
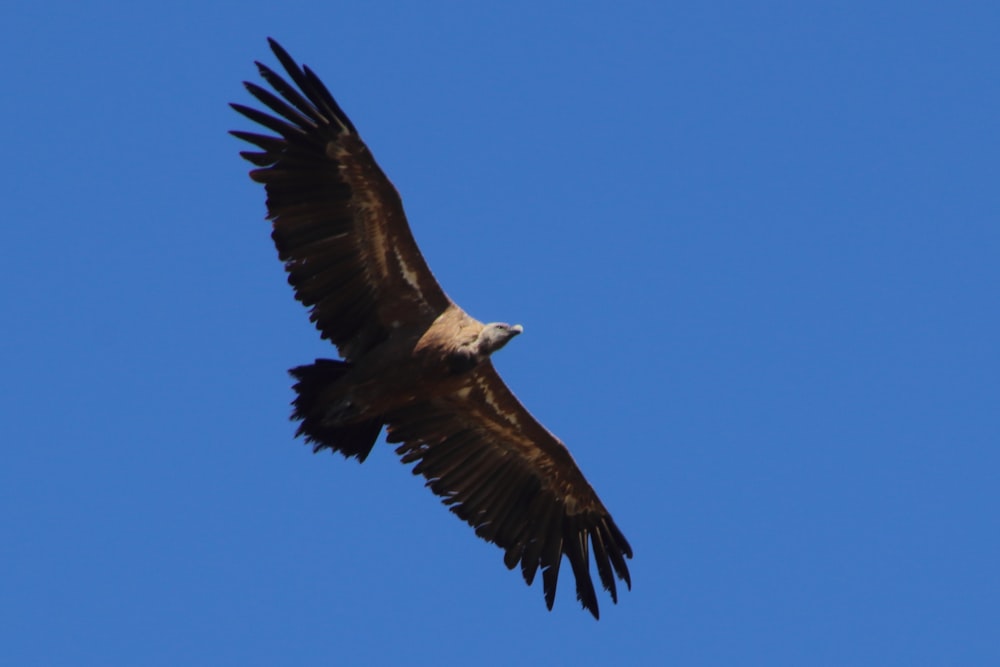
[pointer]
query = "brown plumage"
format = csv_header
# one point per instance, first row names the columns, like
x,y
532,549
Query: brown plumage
x,y
413,361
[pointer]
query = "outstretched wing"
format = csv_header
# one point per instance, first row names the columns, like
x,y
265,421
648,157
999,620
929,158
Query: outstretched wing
x,y
514,482
339,224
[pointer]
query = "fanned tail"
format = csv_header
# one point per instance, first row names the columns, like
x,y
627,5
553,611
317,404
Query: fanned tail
x,y
350,439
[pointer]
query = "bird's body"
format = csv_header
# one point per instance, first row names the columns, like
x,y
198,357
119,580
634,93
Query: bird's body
x,y
411,364
413,361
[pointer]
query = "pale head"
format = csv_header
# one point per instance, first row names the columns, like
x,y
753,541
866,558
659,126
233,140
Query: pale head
x,y
494,336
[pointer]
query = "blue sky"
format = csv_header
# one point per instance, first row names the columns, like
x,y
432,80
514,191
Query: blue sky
x,y
755,250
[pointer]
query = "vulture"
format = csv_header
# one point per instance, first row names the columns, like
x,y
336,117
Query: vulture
x,y
411,360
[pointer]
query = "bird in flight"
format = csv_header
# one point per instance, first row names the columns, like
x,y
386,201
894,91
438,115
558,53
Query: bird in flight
x,y
412,361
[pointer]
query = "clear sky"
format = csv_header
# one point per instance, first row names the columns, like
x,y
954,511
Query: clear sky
x,y
756,251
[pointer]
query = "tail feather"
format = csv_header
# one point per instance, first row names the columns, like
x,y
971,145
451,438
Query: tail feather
x,y
351,439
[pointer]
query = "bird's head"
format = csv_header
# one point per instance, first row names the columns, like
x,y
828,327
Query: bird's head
x,y
494,336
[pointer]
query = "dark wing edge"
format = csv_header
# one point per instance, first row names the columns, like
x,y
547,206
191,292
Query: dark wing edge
x,y
339,224
515,483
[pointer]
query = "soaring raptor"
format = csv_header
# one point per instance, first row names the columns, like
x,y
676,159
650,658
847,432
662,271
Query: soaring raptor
x,y
412,360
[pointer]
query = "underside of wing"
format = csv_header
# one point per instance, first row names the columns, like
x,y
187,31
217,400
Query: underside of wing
x,y
514,482
338,222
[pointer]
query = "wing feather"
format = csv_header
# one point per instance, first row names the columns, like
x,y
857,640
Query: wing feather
x,y
514,482
338,222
